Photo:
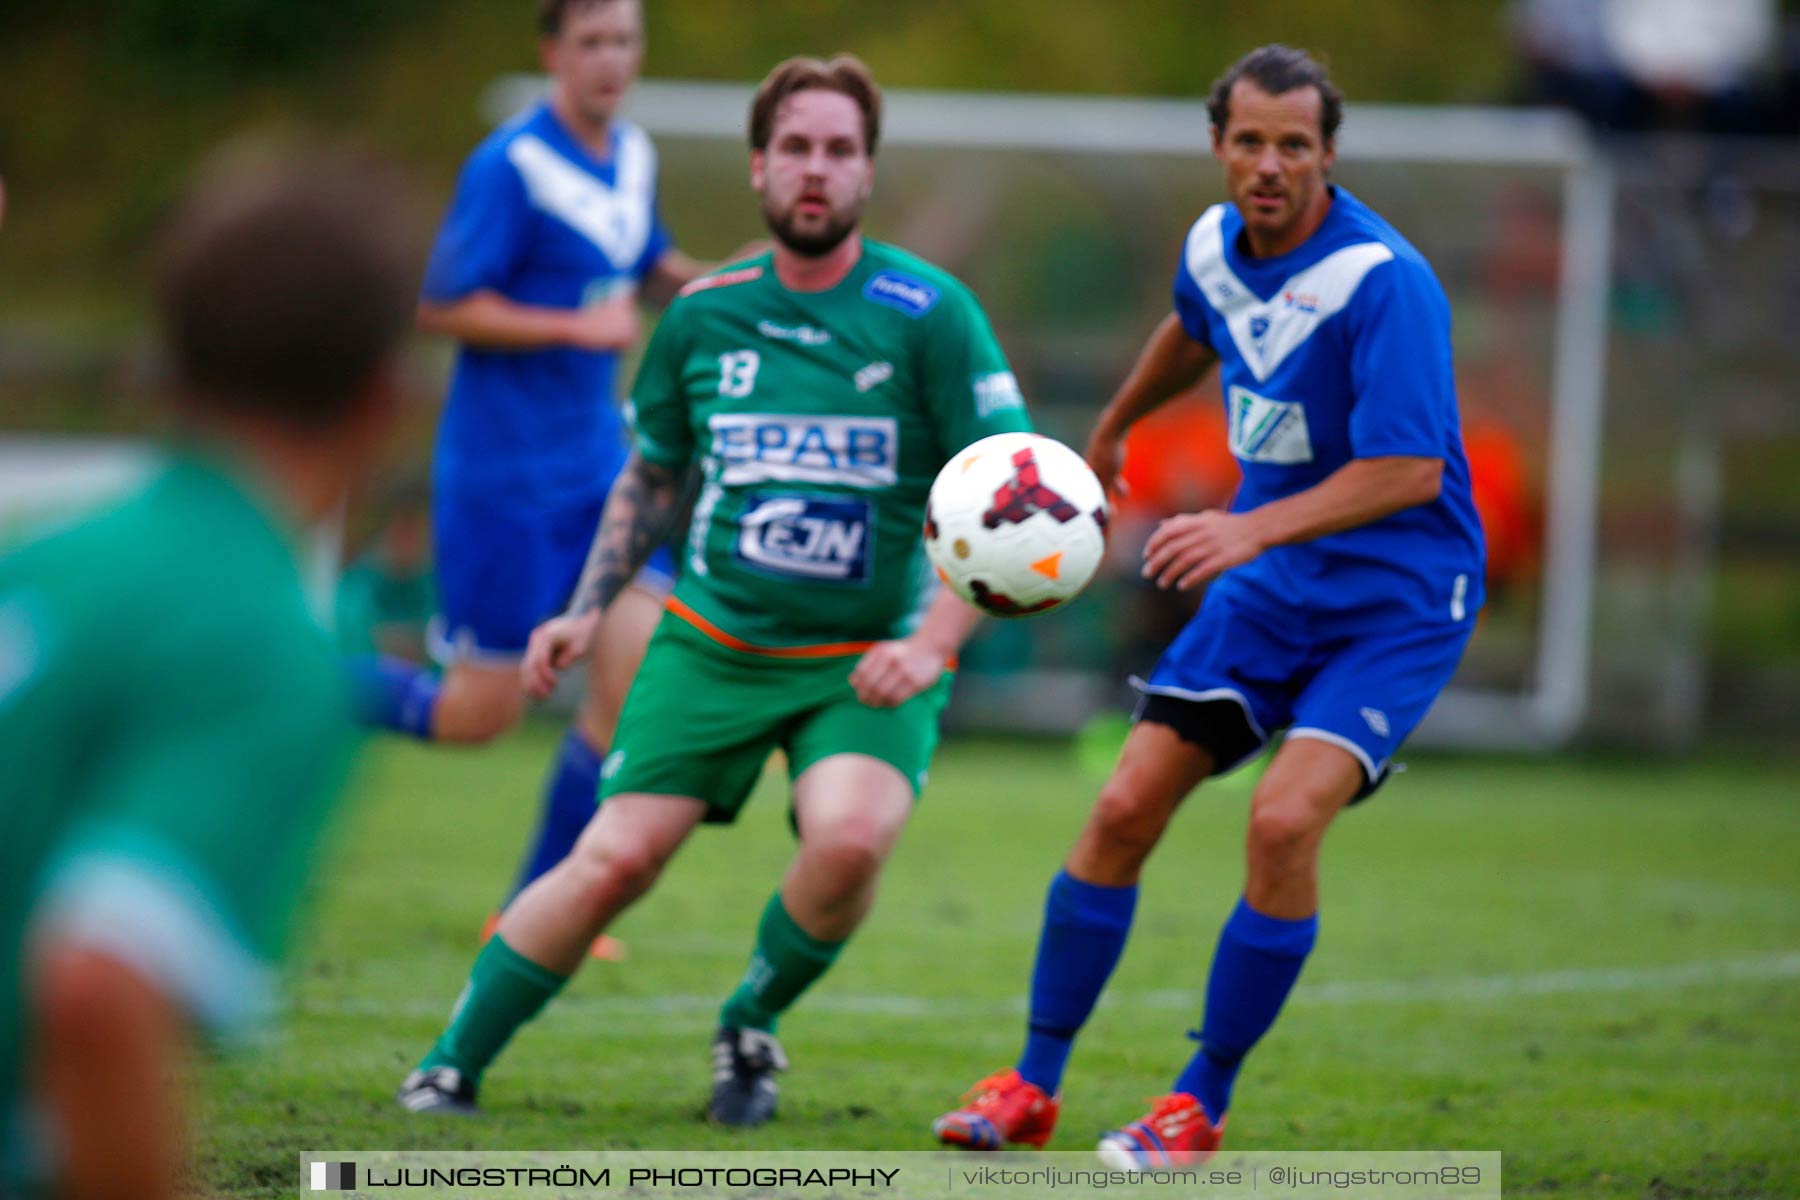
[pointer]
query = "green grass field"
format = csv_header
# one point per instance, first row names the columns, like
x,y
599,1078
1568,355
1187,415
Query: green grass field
x,y
1590,966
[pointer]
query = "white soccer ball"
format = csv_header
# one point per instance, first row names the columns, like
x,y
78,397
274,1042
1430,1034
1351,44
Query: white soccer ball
x,y
1016,524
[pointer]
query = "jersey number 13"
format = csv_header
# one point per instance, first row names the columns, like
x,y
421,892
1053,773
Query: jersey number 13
x,y
737,372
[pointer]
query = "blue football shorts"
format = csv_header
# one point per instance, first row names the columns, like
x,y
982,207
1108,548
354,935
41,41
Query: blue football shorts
x,y
1238,673
504,568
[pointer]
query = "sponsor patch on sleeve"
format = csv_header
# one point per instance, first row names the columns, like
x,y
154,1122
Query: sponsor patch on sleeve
x,y
914,297
996,392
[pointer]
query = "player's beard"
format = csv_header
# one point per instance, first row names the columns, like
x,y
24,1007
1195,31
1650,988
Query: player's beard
x,y
813,243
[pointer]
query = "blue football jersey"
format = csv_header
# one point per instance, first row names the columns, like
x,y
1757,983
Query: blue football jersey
x,y
541,221
1339,349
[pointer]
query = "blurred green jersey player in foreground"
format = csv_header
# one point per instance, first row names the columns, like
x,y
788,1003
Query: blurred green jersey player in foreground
x,y
172,719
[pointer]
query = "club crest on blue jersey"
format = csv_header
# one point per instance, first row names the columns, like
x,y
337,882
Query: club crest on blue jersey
x,y
1268,431
914,297
765,447
819,539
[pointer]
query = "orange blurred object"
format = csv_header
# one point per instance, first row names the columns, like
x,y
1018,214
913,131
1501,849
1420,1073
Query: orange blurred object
x,y
1505,500
1177,459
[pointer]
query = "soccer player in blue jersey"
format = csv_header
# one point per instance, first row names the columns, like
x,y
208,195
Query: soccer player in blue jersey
x,y
552,232
1347,574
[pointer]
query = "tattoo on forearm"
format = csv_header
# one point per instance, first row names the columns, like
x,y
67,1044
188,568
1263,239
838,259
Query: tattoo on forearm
x,y
640,512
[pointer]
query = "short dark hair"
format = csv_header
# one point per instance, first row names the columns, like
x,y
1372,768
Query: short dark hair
x,y
285,282
843,73
1278,69
552,13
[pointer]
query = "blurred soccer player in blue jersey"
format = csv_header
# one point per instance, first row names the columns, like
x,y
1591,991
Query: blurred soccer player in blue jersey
x,y
552,235
1347,574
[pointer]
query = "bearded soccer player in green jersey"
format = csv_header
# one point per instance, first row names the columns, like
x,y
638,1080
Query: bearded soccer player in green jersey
x,y
172,722
819,388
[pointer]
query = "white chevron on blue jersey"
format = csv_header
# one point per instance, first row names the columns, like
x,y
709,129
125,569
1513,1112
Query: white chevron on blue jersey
x,y
616,219
1267,331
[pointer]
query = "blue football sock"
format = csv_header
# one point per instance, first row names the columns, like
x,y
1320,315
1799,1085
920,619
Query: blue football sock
x,y
1085,926
570,795
388,693
1253,970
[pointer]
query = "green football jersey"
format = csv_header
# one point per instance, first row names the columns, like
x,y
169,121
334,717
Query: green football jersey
x,y
173,726
819,420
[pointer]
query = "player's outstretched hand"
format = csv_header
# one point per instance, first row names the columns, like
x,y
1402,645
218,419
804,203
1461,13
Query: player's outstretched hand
x,y
891,673
558,643
1106,456
610,324
1190,548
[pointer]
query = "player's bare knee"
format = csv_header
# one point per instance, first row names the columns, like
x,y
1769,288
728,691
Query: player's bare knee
x,y
844,864
1125,818
1279,831
614,871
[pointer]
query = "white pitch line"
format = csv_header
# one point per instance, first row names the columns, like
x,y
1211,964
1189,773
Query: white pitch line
x,y
1555,983
607,1010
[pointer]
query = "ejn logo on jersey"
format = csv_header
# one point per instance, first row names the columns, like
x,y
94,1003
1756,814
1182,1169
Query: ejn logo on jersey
x,y
1267,431
778,448
820,539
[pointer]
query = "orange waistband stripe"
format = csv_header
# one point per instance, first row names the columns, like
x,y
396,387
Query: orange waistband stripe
x,y
826,650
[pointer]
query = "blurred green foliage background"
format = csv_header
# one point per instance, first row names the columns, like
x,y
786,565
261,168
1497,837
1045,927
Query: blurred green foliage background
x,y
105,104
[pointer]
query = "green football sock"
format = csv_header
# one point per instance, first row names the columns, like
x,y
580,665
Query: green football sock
x,y
504,991
784,964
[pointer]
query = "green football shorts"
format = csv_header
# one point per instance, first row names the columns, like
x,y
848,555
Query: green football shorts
x,y
701,720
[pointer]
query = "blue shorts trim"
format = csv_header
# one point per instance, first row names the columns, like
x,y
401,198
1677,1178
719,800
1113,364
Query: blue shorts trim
x,y
1231,752
462,645
1237,673
1372,771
